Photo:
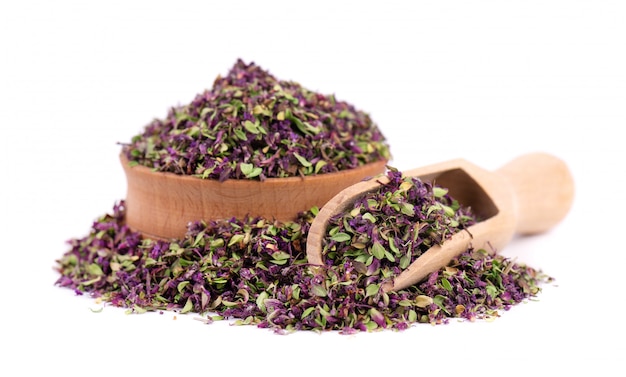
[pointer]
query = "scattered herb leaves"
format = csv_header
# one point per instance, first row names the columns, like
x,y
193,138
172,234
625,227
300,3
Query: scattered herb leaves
x,y
254,271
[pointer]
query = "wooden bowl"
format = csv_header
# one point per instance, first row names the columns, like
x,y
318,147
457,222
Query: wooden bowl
x,y
161,205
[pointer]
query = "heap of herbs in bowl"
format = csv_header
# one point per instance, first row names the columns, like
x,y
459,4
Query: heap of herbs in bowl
x,y
251,145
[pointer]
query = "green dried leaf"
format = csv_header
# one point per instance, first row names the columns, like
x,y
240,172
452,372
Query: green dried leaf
x,y
372,290
319,290
369,217
423,301
341,237
295,293
240,134
251,127
448,211
393,247
439,301
281,255
303,161
319,165
199,240
260,301
439,192
181,286
433,208
94,269
378,250
389,256
408,209
235,239
405,185
445,283
216,242
246,168
405,261
188,306
307,311
254,173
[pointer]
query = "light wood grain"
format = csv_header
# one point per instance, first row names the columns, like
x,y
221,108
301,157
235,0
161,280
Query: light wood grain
x,y
529,195
160,205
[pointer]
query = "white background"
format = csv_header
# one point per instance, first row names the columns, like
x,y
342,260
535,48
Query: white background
x,y
481,80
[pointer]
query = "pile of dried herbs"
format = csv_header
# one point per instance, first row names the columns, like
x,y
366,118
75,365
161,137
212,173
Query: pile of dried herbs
x,y
251,125
386,230
254,271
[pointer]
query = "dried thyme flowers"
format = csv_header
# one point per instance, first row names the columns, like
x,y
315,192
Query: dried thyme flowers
x,y
389,228
251,125
254,271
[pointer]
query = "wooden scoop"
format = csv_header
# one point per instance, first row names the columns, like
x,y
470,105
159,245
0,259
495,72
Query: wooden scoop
x,y
529,195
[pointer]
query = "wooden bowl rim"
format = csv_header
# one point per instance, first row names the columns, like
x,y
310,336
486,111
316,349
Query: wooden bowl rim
x,y
316,178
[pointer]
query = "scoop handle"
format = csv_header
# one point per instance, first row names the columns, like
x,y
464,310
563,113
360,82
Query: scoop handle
x,y
544,190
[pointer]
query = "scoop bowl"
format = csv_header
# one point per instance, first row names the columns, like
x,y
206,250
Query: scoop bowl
x,y
528,195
